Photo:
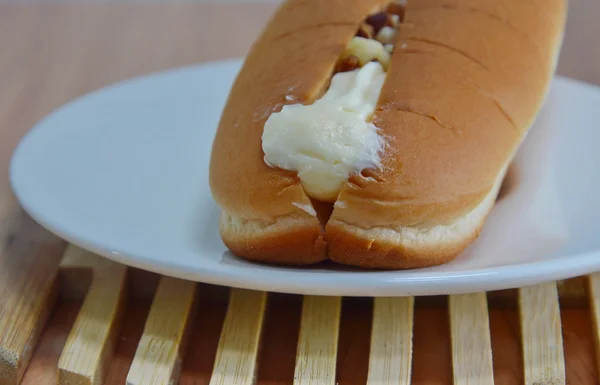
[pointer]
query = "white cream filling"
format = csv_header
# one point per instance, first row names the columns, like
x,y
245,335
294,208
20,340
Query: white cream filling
x,y
327,141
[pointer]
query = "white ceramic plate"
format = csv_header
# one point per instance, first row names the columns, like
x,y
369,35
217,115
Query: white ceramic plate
x,y
123,172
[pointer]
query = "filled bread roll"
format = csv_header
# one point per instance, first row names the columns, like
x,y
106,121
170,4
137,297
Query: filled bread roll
x,y
377,134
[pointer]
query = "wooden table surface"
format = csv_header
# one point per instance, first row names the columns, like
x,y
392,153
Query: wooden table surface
x,y
52,53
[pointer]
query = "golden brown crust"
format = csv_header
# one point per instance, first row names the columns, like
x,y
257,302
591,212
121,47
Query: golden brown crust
x,y
466,80
407,247
462,90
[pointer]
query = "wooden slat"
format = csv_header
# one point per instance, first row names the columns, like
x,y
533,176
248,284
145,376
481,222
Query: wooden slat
x,y
92,339
29,258
543,356
390,358
237,353
78,268
159,354
470,338
318,341
594,299
572,293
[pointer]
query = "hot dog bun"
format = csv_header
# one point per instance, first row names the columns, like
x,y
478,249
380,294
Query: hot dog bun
x,y
465,82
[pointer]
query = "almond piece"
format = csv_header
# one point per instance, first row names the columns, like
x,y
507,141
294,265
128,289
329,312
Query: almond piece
x,y
366,30
379,20
347,63
396,8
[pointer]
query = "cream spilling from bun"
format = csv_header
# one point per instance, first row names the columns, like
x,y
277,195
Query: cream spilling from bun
x,y
464,81
327,141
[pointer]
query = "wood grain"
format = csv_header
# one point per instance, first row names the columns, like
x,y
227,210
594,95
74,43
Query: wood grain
x,y
52,53
237,354
65,52
594,298
42,368
91,343
471,341
390,356
28,291
158,358
317,342
543,356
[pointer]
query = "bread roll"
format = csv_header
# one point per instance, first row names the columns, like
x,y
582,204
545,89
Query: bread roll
x,y
464,83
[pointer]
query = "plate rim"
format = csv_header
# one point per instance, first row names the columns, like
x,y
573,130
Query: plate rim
x,y
493,277
355,284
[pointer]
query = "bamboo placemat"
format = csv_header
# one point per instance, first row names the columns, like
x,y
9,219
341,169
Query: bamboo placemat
x,y
69,317
168,332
